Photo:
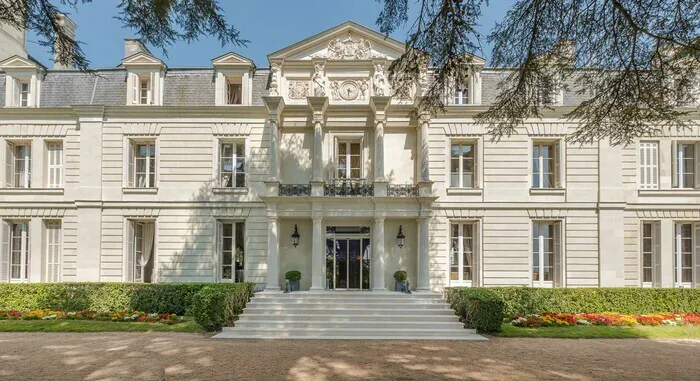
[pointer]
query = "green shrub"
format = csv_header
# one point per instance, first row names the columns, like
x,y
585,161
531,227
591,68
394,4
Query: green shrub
x,y
400,276
479,308
102,297
292,275
218,305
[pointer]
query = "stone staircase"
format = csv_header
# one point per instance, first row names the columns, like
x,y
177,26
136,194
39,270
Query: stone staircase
x,y
348,315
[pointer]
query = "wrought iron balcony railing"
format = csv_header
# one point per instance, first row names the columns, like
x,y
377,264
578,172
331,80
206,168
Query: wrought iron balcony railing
x,y
295,190
349,188
402,190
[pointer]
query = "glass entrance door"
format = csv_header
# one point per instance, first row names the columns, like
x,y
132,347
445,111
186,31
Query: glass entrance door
x,y
348,263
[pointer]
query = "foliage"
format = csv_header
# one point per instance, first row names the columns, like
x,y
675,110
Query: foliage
x,y
128,316
173,298
188,325
160,23
602,332
608,318
400,276
292,275
478,308
635,60
219,305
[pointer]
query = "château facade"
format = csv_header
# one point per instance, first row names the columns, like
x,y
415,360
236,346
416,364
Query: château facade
x,y
228,173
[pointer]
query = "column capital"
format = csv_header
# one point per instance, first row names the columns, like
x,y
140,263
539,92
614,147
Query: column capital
x,y
317,216
423,118
379,219
274,105
318,107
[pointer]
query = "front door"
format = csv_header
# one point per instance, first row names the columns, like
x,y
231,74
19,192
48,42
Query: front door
x,y
347,263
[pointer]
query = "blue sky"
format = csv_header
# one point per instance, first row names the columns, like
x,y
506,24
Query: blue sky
x,y
268,24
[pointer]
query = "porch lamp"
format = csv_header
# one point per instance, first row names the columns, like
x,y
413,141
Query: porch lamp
x,y
400,238
295,236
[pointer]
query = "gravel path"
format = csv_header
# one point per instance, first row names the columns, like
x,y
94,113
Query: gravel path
x,y
177,356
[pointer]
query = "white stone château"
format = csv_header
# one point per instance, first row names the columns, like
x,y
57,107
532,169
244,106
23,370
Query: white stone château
x,y
146,173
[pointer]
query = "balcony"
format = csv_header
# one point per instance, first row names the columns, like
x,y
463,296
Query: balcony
x,y
294,190
402,190
349,187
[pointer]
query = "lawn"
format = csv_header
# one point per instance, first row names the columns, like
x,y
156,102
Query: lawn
x,y
603,332
94,326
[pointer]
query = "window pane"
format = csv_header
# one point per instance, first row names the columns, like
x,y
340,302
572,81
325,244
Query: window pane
x,y
355,148
687,275
227,258
228,230
227,165
455,150
454,180
468,150
226,150
342,149
240,180
647,275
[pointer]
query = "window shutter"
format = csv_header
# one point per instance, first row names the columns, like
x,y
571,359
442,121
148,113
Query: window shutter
x,y
674,163
696,256
9,164
134,88
697,165
130,163
476,257
558,256
149,86
475,165
5,252
129,251
557,155
654,164
17,89
217,163
656,255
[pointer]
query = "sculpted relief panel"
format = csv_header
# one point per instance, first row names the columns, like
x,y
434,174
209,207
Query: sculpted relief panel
x,y
349,49
298,89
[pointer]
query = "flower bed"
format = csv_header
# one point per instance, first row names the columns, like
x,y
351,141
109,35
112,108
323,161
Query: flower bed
x,y
126,316
606,318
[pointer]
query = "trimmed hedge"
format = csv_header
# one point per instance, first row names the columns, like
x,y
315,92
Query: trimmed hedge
x,y
479,308
103,297
217,305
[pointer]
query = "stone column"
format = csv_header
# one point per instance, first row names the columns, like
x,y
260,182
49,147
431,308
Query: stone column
x,y
318,108
423,254
379,151
668,237
318,151
378,269
423,154
318,264
611,206
275,106
273,248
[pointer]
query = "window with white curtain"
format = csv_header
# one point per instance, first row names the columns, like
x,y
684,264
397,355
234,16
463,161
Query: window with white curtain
x,y
142,164
463,165
231,245
17,245
349,160
18,165
53,251
140,261
463,248
649,165
54,158
232,164
686,164
234,93
547,256
462,93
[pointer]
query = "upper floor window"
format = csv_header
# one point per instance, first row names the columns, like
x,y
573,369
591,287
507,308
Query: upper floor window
x,y
144,92
686,164
547,256
15,251
546,166
462,165
142,164
23,89
686,253
144,78
349,160
649,165
233,82
23,78
651,252
232,164
54,161
18,164
234,94
462,93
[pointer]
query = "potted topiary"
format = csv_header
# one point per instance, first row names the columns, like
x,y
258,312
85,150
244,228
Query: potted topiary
x,y
292,278
401,278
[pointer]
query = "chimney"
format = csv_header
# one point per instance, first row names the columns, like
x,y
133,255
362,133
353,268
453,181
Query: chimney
x,y
133,46
69,28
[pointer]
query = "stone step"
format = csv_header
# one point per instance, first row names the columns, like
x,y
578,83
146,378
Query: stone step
x,y
344,300
349,294
345,318
350,333
326,324
354,305
346,311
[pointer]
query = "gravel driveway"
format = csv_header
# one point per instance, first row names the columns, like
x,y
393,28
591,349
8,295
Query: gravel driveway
x,y
173,356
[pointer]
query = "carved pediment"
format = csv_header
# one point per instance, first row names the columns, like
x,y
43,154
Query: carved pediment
x,y
19,63
349,48
142,59
232,59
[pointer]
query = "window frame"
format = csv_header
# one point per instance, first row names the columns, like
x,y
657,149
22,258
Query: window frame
x,y
475,253
348,142
25,93
54,170
678,253
654,240
462,92
53,250
558,263
24,251
219,244
648,168
233,81
132,174
679,165
131,264
12,175
219,166
475,163
558,163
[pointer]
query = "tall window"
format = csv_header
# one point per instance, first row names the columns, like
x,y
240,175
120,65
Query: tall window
x,y
349,160
232,165
545,165
142,164
685,165
651,252
546,254
649,165
144,91
234,95
19,252
683,254
461,93
24,94
140,255
462,254
53,251
55,164
18,164
462,159
231,244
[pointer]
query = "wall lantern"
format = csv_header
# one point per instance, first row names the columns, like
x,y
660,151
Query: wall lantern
x,y
400,238
295,236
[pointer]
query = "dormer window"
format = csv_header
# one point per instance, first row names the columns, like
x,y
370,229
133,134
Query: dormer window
x,y
23,79
145,78
23,94
462,94
233,75
144,92
234,95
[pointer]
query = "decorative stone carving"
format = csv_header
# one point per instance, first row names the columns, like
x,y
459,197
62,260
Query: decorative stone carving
x,y
274,81
379,80
423,79
334,90
364,89
349,90
349,49
319,81
298,89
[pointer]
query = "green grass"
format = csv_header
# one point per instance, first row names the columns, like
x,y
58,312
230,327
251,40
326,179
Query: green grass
x,y
603,332
94,326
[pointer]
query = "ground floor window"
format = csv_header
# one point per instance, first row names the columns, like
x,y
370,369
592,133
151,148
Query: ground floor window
x,y
53,251
547,257
140,256
16,251
462,253
685,242
231,243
